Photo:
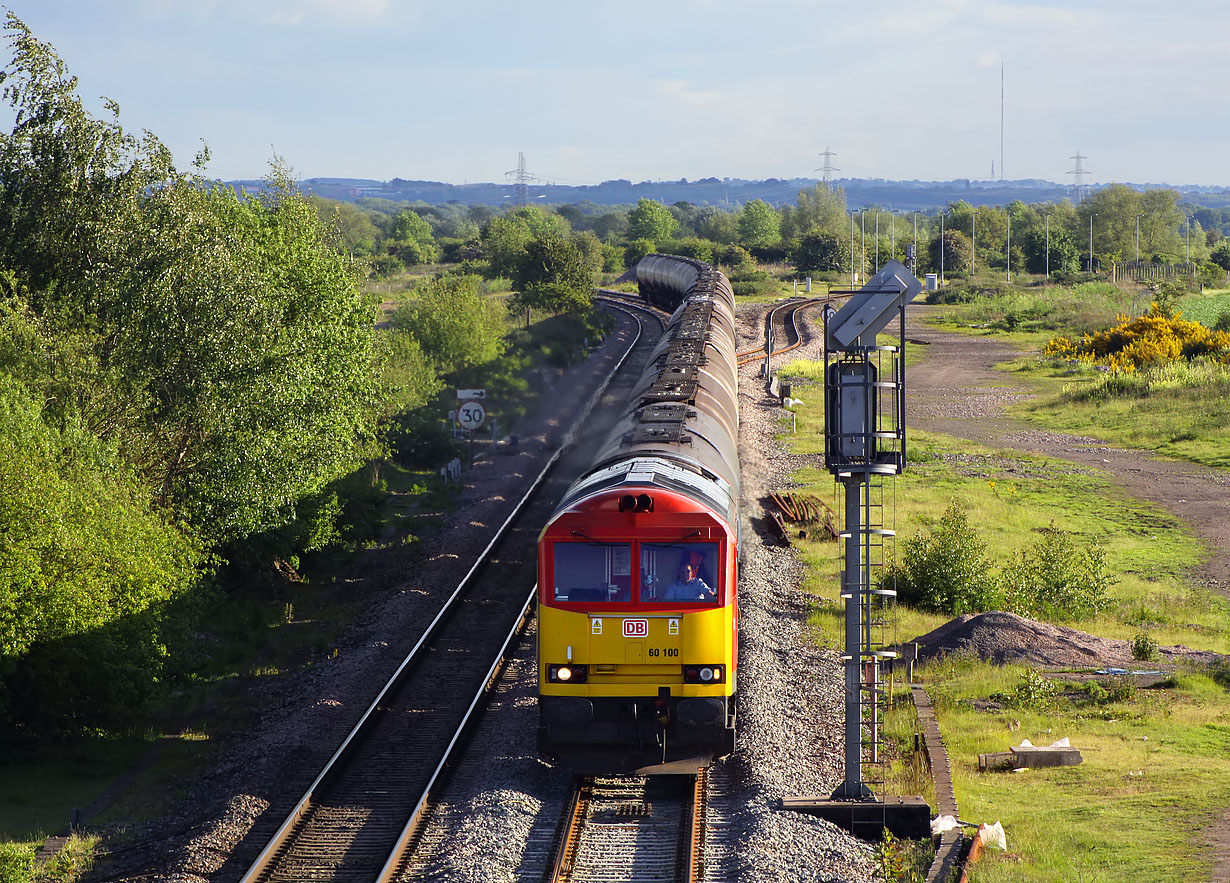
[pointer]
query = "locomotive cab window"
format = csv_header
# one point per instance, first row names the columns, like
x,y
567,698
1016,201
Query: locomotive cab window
x,y
593,572
675,572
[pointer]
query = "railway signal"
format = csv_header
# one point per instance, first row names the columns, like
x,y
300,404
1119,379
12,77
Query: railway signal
x,y
864,430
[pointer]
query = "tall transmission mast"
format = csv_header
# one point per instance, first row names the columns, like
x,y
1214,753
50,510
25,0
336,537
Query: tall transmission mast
x,y
1001,121
521,181
1080,190
826,170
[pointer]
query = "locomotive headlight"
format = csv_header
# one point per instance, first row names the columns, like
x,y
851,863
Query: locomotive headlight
x,y
567,674
703,674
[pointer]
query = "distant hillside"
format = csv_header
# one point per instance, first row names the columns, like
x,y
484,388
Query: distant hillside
x,y
905,196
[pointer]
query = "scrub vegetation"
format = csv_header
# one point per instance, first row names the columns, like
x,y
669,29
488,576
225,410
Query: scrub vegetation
x,y
993,529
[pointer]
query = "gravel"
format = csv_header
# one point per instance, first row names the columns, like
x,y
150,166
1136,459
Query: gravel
x,y
496,821
497,818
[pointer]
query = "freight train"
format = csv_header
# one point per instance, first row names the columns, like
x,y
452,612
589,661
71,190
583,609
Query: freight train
x,y
638,565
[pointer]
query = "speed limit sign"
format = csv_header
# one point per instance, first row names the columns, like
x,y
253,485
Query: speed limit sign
x,y
471,415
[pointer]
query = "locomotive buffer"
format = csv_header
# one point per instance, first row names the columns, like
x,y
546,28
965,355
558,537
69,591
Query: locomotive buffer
x,y
864,429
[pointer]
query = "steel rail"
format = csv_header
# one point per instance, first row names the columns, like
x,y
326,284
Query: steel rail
x,y
261,865
609,823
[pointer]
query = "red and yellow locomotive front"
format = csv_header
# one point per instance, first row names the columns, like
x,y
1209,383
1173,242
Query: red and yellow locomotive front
x,y
637,638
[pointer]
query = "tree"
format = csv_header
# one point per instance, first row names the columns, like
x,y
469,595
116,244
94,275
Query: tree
x,y
821,251
1064,256
590,247
1221,254
503,239
759,225
553,275
352,228
956,253
231,349
819,209
718,225
409,226
455,326
651,220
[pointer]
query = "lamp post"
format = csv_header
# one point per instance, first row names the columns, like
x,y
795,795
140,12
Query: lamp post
x,y
1187,242
877,240
1138,239
914,269
1008,249
942,245
892,248
851,248
1048,248
862,222
1092,215
973,247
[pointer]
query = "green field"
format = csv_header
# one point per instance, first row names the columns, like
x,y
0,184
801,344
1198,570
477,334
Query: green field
x,y
1156,772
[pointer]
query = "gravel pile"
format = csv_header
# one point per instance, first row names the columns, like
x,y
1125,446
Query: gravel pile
x,y
1001,637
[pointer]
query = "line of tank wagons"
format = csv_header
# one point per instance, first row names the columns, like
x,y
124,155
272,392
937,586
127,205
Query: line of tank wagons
x,y
638,565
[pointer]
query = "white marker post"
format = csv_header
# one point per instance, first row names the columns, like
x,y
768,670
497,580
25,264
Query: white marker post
x,y
471,416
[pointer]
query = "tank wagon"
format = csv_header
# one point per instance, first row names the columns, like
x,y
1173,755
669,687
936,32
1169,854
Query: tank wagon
x,y
638,565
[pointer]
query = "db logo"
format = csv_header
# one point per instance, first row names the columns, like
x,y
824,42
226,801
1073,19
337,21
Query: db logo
x,y
636,628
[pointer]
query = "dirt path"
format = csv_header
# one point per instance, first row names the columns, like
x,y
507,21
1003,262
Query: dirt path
x,y
957,391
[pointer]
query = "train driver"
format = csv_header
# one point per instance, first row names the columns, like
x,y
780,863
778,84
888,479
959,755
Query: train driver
x,y
689,587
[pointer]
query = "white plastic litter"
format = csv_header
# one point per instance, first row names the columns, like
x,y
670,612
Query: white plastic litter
x,y
943,824
992,836
1058,743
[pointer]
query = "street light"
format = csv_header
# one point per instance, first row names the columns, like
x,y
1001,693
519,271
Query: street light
x,y
877,240
1048,247
914,268
1092,215
851,250
1138,217
973,249
892,249
1187,242
1008,248
942,245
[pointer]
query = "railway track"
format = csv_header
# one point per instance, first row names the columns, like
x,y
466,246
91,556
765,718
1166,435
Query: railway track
x,y
789,314
643,830
359,819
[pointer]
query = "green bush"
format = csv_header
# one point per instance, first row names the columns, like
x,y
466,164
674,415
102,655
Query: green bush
x,y
946,571
18,864
637,249
1144,647
1034,692
737,259
1055,580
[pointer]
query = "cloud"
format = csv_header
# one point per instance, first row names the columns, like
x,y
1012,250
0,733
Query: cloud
x,y
294,14
681,92
283,19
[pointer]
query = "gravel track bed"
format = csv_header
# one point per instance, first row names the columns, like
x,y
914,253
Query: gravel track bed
x,y
496,820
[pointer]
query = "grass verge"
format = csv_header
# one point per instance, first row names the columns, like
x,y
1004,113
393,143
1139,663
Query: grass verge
x,y
1155,771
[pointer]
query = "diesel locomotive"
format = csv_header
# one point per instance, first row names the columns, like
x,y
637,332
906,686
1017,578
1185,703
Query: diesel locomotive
x,y
638,565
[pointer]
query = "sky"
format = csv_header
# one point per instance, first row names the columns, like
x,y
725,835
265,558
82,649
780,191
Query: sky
x,y
657,91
